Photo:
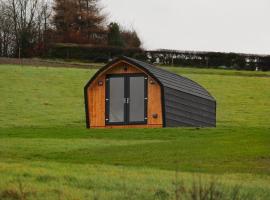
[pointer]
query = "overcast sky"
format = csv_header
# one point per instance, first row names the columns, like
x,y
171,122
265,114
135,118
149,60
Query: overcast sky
x,y
205,25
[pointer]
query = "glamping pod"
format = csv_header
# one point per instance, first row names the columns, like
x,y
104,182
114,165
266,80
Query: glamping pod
x,y
128,93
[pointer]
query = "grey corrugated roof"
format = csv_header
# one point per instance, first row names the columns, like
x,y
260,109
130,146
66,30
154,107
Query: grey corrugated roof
x,y
173,81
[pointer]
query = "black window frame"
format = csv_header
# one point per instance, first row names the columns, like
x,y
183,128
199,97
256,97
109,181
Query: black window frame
x,y
126,95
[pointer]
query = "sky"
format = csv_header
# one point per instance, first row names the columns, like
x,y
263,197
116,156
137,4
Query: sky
x,y
201,25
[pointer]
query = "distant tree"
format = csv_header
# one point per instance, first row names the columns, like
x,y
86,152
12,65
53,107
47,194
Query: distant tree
x,y
64,18
91,20
79,21
131,39
22,26
6,28
114,35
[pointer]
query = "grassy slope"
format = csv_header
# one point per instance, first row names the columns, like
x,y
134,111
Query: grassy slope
x,y
42,120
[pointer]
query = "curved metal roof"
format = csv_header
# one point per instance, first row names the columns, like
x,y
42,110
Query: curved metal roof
x,y
171,80
164,77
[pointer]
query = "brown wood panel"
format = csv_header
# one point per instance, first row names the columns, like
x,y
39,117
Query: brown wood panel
x,y
120,69
154,103
96,98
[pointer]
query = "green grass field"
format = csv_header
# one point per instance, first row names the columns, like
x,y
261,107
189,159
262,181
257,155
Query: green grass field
x,y
46,152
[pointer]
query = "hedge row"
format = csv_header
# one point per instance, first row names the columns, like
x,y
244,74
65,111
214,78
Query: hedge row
x,y
177,58
92,53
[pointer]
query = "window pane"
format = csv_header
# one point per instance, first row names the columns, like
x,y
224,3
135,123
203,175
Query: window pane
x,y
136,106
116,112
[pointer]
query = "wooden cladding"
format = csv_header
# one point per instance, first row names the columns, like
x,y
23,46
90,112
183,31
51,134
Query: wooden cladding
x,y
96,98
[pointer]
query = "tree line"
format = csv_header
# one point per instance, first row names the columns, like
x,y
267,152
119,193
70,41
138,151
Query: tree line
x,y
210,59
31,27
23,26
78,29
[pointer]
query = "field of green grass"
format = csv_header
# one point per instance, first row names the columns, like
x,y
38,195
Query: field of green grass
x,y
46,152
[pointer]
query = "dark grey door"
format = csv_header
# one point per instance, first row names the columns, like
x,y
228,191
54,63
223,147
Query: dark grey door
x,y
126,99
116,100
137,99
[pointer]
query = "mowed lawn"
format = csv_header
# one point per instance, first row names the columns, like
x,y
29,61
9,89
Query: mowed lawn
x,y
46,152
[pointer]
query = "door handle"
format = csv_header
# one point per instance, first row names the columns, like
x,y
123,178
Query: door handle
x,y
127,100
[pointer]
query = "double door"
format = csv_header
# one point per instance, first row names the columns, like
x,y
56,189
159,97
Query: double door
x,y
126,99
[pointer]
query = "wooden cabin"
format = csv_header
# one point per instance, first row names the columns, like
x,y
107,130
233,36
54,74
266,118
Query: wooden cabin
x,y
128,93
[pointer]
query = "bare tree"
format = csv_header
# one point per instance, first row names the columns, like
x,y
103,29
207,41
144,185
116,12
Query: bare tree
x,y
25,22
43,25
6,29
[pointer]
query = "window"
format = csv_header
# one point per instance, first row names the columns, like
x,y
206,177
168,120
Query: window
x,y
126,99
